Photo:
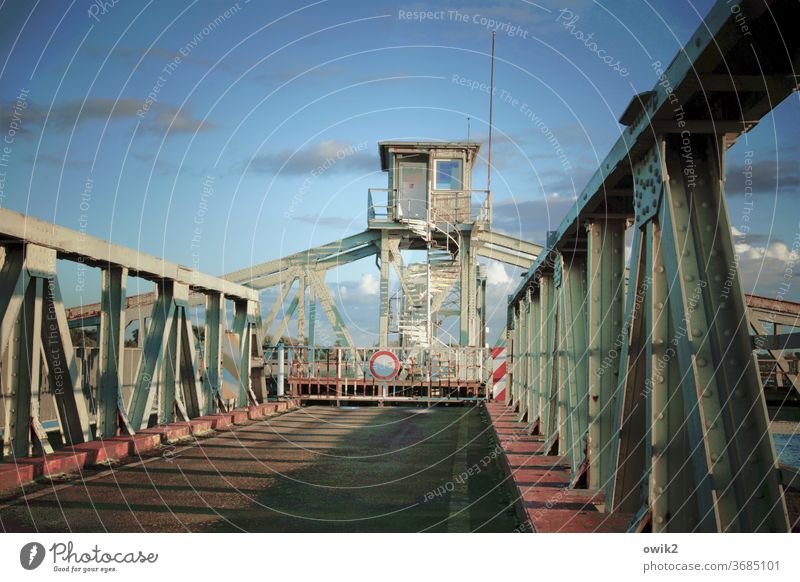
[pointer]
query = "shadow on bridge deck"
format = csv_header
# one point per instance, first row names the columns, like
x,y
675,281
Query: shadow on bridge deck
x,y
315,469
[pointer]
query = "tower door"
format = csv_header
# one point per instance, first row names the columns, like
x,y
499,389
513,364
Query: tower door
x,y
413,191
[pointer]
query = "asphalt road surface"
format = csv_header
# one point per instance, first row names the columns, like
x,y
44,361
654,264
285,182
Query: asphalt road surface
x,y
316,469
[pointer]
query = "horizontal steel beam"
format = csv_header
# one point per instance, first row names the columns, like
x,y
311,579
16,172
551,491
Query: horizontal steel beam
x,y
71,244
715,41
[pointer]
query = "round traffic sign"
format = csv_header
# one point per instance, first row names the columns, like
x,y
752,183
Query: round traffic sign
x,y
384,365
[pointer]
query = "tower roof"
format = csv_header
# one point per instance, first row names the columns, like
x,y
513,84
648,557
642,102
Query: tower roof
x,y
421,147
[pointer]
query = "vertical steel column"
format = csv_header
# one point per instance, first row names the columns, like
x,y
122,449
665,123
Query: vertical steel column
x,y
110,405
35,335
625,477
605,297
281,378
243,320
312,324
522,367
670,491
513,386
736,475
535,349
510,350
574,356
383,327
301,308
22,344
549,373
212,352
144,392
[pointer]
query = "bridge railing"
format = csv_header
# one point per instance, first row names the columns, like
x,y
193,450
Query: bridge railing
x,y
53,396
457,372
649,388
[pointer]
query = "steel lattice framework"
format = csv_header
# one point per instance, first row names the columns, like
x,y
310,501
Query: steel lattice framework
x,y
648,383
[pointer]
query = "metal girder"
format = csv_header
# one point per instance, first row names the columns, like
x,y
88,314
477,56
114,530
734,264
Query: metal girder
x,y
624,479
383,316
110,404
776,353
712,42
35,336
513,362
212,352
168,368
605,296
326,256
524,379
244,324
68,243
547,359
573,384
293,276
329,308
504,256
287,315
534,342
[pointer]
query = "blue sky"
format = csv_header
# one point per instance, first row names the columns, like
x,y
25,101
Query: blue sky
x,y
144,121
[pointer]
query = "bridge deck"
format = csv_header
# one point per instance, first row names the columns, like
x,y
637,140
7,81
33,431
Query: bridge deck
x,y
313,469
542,481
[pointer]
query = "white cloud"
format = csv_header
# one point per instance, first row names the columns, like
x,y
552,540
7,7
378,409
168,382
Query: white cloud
x,y
496,274
368,285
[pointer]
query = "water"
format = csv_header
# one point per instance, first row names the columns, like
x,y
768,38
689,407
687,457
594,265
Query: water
x,y
788,448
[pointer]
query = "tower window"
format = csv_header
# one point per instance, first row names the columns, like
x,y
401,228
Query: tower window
x,y
449,175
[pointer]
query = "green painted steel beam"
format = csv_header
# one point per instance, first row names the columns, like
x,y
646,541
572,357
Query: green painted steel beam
x,y
110,405
605,297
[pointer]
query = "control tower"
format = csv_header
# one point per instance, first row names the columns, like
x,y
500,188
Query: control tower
x,y
429,206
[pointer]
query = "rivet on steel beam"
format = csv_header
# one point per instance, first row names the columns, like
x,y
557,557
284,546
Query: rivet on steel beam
x,y
659,269
688,278
708,393
681,228
660,519
697,333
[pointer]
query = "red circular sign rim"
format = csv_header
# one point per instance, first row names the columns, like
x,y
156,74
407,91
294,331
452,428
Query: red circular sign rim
x,y
372,365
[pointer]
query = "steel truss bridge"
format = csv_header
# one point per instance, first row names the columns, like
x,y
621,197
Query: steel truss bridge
x,y
634,394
